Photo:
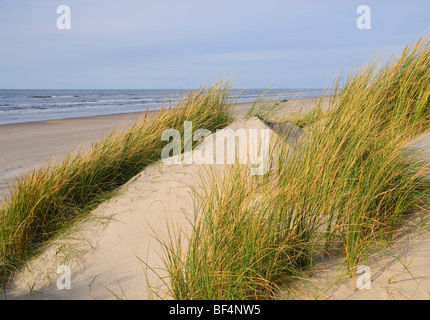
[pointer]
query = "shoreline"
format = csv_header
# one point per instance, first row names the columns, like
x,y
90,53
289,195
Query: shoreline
x,y
112,115
122,115
28,105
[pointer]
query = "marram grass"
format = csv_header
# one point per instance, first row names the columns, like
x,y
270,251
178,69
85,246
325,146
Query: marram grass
x,y
347,188
48,200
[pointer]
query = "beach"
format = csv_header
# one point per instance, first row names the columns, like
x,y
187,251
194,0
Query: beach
x,y
178,152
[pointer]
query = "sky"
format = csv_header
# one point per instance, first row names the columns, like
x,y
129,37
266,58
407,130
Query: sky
x,y
146,44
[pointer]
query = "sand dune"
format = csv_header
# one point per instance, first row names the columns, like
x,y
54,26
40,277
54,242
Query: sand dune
x,y
106,252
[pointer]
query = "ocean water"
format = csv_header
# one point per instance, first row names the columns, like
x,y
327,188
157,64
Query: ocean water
x,y
37,105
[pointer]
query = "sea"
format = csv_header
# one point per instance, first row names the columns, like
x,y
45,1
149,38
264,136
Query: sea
x,y
24,105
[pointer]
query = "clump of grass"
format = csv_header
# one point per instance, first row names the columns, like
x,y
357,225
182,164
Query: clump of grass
x,y
243,241
347,188
48,200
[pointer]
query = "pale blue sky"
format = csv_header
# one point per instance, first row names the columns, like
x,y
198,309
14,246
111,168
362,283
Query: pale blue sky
x,y
183,44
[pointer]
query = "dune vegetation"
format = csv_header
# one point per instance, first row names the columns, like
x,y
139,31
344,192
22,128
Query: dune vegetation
x,y
48,200
344,191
